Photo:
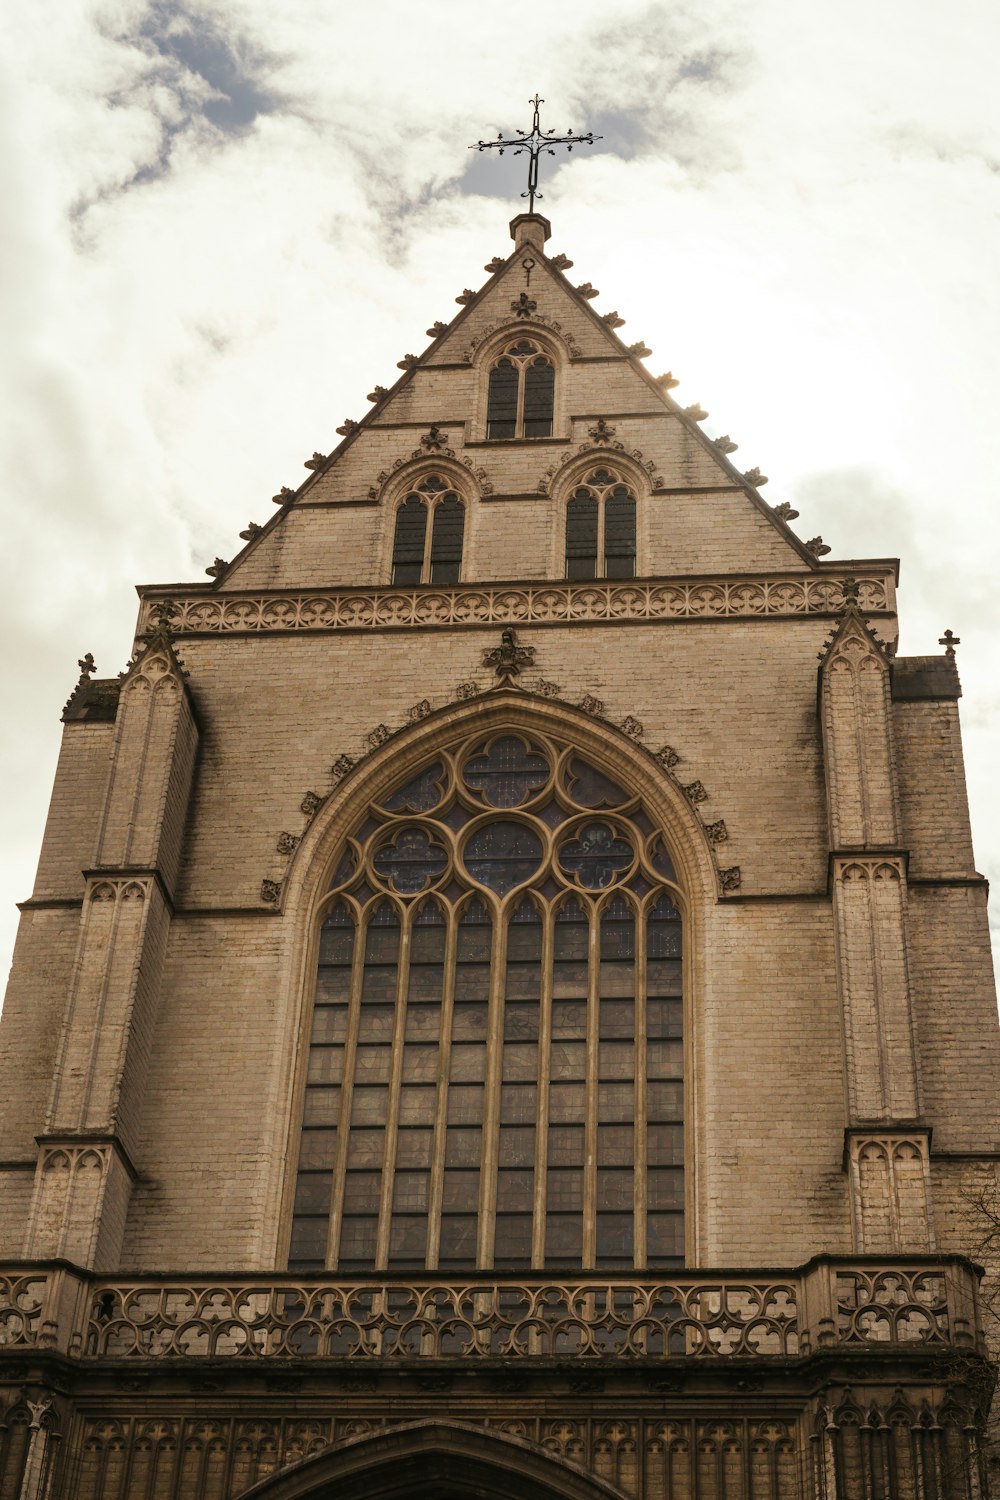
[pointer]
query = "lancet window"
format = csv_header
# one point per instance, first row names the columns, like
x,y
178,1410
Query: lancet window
x,y
430,529
495,1071
600,528
521,398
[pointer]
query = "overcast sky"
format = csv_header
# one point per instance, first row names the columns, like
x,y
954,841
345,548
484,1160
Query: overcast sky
x,y
224,223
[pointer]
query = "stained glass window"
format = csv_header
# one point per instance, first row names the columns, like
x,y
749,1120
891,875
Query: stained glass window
x,y
601,528
430,530
495,1066
521,394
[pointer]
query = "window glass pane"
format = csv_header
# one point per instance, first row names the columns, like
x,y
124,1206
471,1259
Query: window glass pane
x,y
312,1193
411,862
419,794
446,540
458,1239
517,1146
502,855
408,1240
619,534
414,1148
596,855
318,1149
563,1238
539,397
408,544
513,1240
501,415
581,536
591,788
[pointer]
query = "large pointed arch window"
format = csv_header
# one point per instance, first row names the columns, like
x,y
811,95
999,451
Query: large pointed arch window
x,y
495,1072
521,395
600,528
430,530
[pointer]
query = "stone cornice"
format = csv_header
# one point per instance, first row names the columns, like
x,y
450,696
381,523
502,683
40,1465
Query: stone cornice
x,y
746,597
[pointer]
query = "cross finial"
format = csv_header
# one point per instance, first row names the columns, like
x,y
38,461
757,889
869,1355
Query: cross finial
x,y
949,641
535,141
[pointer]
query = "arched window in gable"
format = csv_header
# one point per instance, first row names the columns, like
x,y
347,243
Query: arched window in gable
x,y
430,530
600,528
521,396
495,1071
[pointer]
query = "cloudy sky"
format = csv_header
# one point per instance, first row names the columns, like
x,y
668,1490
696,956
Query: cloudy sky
x,y
225,222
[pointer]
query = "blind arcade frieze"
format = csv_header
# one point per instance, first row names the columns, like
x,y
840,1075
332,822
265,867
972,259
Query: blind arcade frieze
x,y
756,597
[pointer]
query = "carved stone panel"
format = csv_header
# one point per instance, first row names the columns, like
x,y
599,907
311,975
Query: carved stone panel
x,y
857,743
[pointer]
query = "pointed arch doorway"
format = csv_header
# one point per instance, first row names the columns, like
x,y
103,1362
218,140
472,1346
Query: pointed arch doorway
x,y
435,1460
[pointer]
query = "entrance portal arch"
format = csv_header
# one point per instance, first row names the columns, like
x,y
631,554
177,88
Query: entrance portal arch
x,y
435,1460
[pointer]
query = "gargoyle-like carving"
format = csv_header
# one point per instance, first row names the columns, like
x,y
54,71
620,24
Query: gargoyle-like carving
x,y
667,757
378,394
695,791
696,412
270,891
717,833
548,689
419,710
408,362
602,431
667,381
785,512
640,350
730,879
592,705
288,843
523,306
252,530
466,690
817,546
317,461
436,329
378,736
218,568
561,262
341,766
586,290
39,1410
494,265
434,439
347,426
464,298
613,320
632,727
508,658
725,444
311,804
755,477
283,496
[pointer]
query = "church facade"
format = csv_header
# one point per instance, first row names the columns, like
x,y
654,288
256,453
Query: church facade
x,y
505,1007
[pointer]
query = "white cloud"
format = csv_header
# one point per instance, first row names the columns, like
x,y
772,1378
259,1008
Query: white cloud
x,y
797,207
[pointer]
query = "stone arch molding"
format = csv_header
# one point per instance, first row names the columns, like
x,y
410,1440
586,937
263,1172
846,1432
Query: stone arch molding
x,y
446,1459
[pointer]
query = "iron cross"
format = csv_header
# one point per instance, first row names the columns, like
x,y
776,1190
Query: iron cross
x,y
535,142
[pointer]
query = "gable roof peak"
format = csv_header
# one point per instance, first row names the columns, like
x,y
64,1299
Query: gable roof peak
x,y
530,229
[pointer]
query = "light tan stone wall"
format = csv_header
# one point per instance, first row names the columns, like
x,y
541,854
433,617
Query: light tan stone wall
x,y
40,979
74,810
933,798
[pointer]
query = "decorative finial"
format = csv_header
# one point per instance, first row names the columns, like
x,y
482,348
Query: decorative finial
x,y
508,658
535,141
851,591
87,667
949,641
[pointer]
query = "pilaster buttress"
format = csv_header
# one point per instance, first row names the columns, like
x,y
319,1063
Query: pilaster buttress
x,y
887,1143
85,1164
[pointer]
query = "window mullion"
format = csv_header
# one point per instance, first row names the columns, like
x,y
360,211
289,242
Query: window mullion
x,y
435,1192
544,1076
347,1093
602,566
519,427
590,1116
639,1183
430,506
392,1104
491,1102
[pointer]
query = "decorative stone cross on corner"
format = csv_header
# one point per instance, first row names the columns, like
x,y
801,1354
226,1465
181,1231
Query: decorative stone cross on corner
x,y
535,141
949,641
508,658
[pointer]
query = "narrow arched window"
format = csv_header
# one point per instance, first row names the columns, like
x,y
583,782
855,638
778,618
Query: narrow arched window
x,y
600,528
495,1070
521,395
430,530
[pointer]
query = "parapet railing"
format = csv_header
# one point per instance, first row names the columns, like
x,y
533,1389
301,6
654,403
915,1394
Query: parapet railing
x,y
830,1302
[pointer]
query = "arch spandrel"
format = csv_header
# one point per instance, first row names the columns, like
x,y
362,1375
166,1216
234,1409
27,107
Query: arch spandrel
x,y
447,1458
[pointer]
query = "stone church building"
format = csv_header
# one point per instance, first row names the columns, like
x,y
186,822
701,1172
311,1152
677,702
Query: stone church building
x,y
505,1008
